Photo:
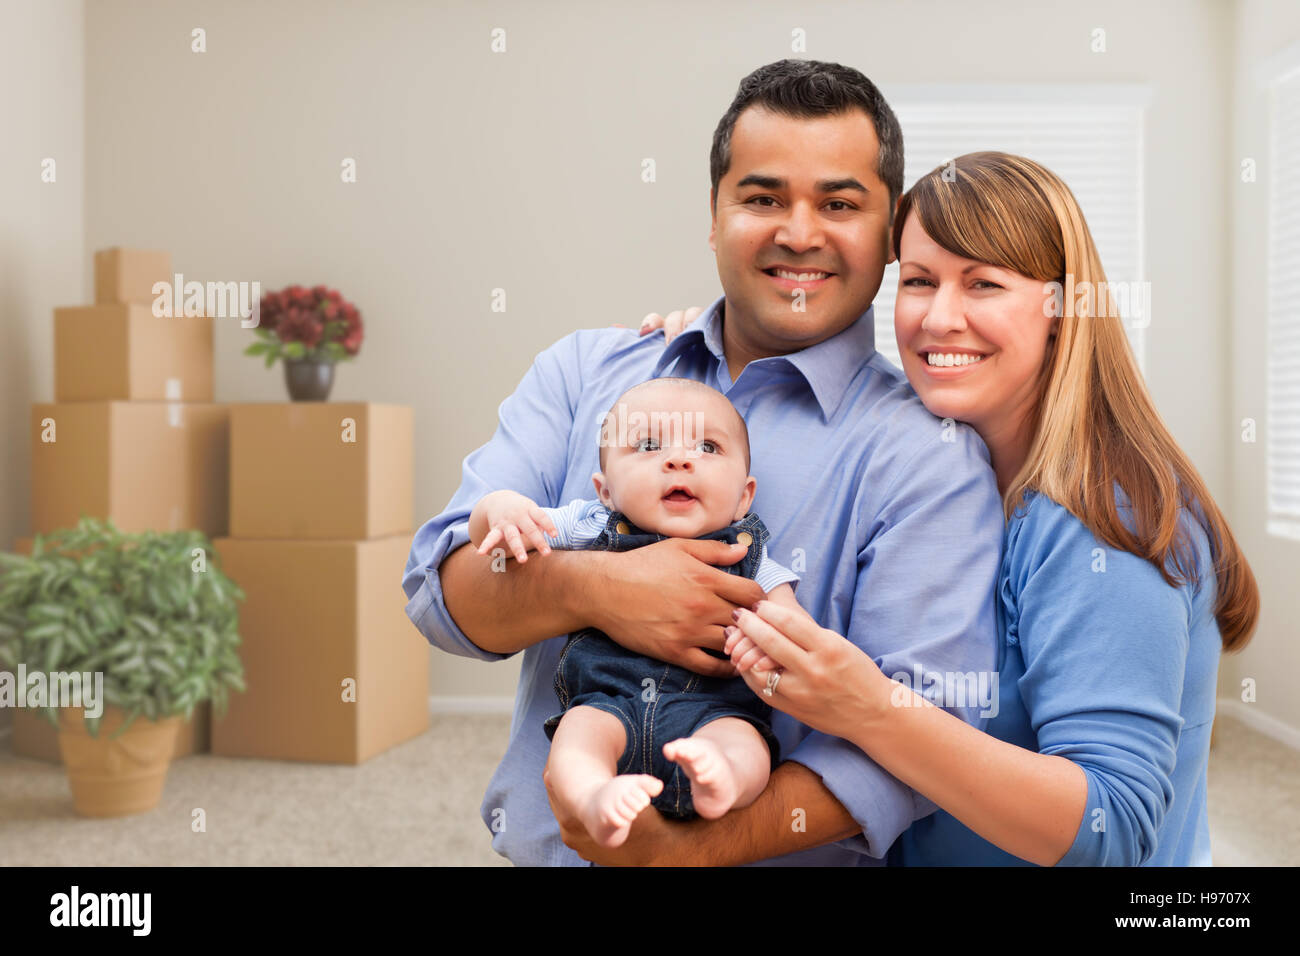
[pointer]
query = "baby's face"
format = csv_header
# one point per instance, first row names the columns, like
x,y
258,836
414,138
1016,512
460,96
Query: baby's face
x,y
663,439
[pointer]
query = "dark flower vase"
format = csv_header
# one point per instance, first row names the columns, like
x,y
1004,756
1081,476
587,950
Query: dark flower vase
x,y
308,380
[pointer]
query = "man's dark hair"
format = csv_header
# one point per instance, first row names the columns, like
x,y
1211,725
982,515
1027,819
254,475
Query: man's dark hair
x,y
809,88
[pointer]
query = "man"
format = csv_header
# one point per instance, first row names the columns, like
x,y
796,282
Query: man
x,y
891,519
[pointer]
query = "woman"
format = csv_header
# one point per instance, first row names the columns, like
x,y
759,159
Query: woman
x,y
1120,579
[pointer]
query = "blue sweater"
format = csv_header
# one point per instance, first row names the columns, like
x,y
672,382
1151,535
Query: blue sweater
x,y
1100,662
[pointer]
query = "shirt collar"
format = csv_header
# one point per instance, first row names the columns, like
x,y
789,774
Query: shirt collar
x,y
827,367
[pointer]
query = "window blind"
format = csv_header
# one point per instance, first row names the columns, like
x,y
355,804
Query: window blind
x,y
1283,364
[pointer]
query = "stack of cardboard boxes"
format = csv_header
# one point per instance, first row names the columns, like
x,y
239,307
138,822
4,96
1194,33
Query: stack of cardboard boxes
x,y
316,500
132,434
321,497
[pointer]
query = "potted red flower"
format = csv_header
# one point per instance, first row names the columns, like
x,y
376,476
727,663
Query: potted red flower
x,y
311,329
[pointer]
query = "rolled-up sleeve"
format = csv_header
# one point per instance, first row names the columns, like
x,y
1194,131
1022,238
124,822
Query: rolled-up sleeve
x,y
923,605
771,574
527,454
1105,643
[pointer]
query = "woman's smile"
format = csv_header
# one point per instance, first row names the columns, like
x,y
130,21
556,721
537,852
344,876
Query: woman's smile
x,y
944,364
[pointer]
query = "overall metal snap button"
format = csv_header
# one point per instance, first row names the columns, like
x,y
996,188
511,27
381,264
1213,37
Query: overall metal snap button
x,y
745,538
622,527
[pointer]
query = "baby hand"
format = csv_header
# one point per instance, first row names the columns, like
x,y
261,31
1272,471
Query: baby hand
x,y
511,517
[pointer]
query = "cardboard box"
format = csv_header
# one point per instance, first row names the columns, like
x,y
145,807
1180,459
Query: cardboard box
x,y
128,275
321,470
125,352
323,620
158,466
34,736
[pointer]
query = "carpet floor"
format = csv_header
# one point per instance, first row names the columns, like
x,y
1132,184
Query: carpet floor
x,y
417,804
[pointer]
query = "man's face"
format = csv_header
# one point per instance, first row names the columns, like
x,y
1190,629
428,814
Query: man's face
x,y
803,196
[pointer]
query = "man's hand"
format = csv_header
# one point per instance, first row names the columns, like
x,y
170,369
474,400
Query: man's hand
x,y
759,831
666,602
650,842
663,600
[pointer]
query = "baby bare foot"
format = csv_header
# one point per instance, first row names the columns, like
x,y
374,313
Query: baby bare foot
x,y
609,812
713,783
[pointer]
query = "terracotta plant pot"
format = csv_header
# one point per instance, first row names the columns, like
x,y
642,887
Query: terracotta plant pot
x,y
115,778
308,380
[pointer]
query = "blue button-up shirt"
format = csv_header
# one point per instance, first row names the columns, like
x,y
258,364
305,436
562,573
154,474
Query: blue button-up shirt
x,y
890,516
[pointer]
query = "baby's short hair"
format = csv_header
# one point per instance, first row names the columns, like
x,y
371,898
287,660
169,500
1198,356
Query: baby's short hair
x,y
688,384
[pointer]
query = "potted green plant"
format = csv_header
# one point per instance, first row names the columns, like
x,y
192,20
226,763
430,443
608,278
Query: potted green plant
x,y
311,329
151,615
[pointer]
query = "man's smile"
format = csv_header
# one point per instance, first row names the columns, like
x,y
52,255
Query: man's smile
x,y
789,278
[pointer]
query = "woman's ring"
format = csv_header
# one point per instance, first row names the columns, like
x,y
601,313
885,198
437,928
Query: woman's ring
x,y
773,679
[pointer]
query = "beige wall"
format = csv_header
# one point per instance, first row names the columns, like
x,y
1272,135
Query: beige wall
x,y
1263,29
41,234
520,171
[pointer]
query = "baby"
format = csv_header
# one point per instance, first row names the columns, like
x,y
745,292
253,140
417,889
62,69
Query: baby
x,y
635,731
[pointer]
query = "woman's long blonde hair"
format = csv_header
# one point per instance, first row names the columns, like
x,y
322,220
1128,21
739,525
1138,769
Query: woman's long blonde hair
x,y
1094,424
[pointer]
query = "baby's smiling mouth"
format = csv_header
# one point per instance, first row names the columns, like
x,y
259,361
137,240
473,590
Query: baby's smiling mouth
x,y
679,494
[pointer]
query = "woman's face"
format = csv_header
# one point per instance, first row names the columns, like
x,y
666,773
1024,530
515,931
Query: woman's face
x,y
972,336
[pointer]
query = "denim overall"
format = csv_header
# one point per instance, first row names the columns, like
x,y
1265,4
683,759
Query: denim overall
x,y
658,702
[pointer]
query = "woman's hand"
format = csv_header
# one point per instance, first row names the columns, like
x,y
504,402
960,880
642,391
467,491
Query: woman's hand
x,y
672,324
826,682
510,516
